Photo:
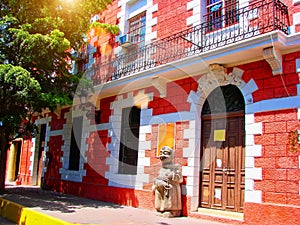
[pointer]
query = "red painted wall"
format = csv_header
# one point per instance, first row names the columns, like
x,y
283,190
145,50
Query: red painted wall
x,y
58,121
273,86
293,8
96,158
55,151
171,17
266,214
176,97
279,162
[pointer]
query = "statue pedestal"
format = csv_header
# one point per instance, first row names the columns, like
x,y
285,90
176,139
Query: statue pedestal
x,y
169,214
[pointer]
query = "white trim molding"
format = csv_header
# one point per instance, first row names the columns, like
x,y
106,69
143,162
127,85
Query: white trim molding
x,y
66,174
123,180
218,76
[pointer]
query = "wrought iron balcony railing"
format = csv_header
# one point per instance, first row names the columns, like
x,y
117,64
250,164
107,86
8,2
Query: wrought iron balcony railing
x,y
257,18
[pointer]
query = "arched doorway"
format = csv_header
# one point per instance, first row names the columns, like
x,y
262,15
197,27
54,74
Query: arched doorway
x,y
222,177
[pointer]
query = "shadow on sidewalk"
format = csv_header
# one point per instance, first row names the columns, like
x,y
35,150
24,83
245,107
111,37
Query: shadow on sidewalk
x,y
34,197
78,210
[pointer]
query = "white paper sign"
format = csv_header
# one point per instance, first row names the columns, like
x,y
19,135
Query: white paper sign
x,y
218,193
219,163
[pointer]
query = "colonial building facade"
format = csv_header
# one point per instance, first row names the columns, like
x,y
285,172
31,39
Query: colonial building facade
x,y
217,81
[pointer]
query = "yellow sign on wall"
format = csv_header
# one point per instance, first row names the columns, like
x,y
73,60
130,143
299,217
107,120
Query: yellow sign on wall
x,y
166,136
219,135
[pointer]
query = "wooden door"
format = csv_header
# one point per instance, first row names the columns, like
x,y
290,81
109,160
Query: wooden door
x,y
223,168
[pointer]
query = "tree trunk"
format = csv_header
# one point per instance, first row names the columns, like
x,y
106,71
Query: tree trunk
x,y
3,155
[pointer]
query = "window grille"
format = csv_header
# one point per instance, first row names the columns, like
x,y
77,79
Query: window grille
x,y
221,13
137,28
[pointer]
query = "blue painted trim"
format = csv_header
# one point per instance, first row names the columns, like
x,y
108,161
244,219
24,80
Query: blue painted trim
x,y
298,65
298,89
274,105
136,5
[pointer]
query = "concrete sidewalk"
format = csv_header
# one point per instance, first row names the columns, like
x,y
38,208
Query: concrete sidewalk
x,y
45,206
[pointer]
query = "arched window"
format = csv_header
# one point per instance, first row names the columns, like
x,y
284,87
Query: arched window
x,y
224,99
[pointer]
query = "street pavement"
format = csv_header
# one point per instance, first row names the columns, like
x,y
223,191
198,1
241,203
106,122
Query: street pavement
x,y
86,211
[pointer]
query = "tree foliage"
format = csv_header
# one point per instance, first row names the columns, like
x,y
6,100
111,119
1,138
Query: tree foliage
x,y
36,39
38,35
17,85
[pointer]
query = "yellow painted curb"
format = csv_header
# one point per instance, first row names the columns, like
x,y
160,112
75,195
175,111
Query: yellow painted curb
x,y
25,216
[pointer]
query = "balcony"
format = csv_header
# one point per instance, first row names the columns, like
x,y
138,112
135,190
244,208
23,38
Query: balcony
x,y
258,18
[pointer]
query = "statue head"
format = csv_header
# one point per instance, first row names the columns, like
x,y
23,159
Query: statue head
x,y
166,155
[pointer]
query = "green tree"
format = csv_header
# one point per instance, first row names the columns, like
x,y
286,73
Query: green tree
x,y
35,42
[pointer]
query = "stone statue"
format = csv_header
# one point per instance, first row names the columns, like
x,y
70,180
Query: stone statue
x,y
166,186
